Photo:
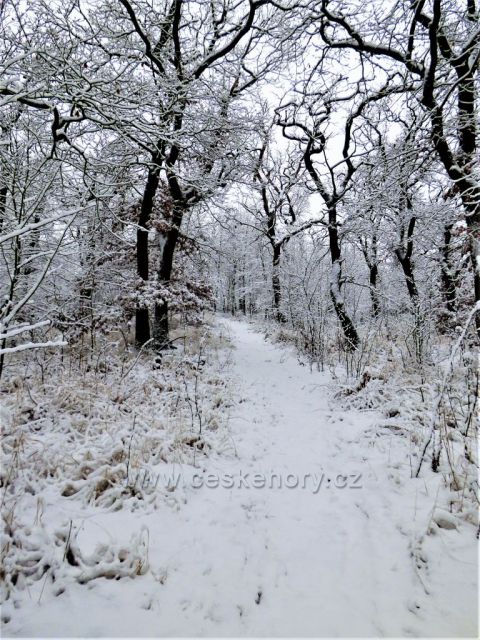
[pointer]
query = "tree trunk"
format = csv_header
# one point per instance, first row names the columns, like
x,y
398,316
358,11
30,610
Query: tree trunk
x,y
233,290
348,328
371,258
3,204
407,268
142,322
276,284
404,256
473,225
448,277
336,283
161,327
373,271
242,302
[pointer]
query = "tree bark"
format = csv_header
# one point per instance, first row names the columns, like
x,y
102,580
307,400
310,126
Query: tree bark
x,y
404,251
449,289
371,259
276,283
242,301
373,274
168,242
407,268
3,204
336,282
142,321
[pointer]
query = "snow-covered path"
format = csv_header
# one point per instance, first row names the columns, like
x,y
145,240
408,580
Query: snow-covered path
x,y
293,561
335,561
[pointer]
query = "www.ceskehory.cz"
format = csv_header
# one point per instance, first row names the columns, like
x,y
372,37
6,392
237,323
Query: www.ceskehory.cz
x,y
314,482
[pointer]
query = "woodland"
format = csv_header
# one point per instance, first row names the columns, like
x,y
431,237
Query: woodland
x,y
188,190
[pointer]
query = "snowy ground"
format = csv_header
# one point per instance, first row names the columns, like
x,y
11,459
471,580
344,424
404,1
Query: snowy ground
x,y
353,550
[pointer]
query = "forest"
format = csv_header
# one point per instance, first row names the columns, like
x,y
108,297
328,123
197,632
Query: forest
x,y
239,266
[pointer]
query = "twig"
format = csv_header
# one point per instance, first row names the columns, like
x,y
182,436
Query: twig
x,y
443,385
136,359
130,446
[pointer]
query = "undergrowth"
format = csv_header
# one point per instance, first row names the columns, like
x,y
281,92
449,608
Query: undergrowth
x,y
79,429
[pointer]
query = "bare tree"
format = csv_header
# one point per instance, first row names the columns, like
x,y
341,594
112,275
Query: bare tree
x,y
436,44
307,122
279,178
182,62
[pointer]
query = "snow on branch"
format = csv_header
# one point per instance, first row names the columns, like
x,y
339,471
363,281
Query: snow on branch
x,y
33,345
37,225
4,334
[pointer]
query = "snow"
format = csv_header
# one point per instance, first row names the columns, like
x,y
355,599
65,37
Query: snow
x,y
27,228
375,555
4,333
34,345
